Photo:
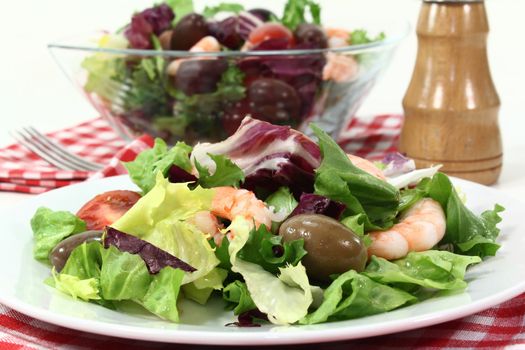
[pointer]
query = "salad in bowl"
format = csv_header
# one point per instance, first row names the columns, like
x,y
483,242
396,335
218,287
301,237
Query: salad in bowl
x,y
188,75
282,228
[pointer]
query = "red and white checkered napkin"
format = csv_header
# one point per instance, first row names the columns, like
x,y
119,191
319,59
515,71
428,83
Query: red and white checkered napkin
x,y
23,171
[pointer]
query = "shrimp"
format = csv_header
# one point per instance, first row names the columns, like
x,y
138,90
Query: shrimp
x,y
206,44
208,223
340,68
337,37
420,228
230,202
367,166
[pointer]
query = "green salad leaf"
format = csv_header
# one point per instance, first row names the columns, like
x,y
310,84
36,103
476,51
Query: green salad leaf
x,y
85,289
50,228
162,294
211,11
285,299
84,261
354,295
107,276
360,36
268,251
200,290
227,173
148,87
160,219
338,179
295,13
435,269
180,8
123,275
238,297
282,201
221,252
143,170
468,233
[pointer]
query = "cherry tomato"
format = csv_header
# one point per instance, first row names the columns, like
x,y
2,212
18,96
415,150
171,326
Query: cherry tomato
x,y
106,208
270,31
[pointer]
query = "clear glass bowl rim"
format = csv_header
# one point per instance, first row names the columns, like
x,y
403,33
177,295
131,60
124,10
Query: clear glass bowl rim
x,y
391,40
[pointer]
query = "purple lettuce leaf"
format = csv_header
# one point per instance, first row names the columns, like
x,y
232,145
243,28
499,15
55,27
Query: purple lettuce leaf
x,y
396,164
270,156
176,174
310,203
247,319
153,20
154,257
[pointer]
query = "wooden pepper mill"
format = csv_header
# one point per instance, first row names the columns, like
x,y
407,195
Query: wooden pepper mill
x,y
451,105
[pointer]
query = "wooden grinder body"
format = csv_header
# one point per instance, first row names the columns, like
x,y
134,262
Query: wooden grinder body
x,y
451,105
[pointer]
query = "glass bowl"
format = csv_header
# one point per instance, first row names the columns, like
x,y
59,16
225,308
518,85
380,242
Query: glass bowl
x,y
203,96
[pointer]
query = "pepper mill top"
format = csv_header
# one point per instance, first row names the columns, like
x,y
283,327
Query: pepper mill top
x,y
451,105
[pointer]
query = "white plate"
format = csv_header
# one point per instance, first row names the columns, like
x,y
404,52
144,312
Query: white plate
x,y
496,280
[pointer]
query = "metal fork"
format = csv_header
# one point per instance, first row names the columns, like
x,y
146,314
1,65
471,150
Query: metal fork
x,y
52,152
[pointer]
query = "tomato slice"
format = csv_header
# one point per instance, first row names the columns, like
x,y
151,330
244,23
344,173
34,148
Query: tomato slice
x,y
270,31
106,208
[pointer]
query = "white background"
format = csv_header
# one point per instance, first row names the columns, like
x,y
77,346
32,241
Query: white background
x,y
33,91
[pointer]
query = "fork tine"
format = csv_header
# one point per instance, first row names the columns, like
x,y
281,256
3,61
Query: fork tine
x,y
27,143
59,150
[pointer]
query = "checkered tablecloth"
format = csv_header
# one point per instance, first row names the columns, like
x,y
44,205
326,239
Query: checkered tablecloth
x,y
500,327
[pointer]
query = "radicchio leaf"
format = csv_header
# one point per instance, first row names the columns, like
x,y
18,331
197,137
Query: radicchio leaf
x,y
246,319
315,204
153,20
397,164
176,174
270,156
303,72
154,257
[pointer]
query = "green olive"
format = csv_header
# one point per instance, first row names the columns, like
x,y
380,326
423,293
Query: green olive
x,y
332,247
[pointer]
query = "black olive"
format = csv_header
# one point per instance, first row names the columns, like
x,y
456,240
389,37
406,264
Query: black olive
x,y
274,101
332,247
188,32
59,255
311,35
199,76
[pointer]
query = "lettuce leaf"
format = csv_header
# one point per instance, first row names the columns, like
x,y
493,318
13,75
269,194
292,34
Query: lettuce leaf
x,y
338,179
84,261
238,297
267,250
85,289
180,8
285,299
143,170
154,257
105,276
160,219
468,233
123,276
295,10
435,269
200,290
354,295
50,228
211,11
161,297
282,201
226,173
